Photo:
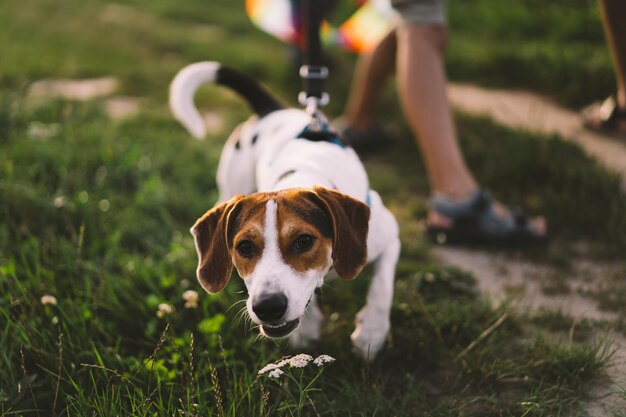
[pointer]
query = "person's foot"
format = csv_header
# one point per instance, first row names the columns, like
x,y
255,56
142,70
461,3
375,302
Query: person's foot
x,y
605,116
479,219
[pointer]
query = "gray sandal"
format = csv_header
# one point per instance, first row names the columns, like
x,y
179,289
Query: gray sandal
x,y
475,221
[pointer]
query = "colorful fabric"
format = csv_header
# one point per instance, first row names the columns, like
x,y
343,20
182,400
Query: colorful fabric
x,y
360,32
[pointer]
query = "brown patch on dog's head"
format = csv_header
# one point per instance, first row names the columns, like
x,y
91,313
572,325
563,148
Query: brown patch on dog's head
x,y
248,240
229,234
305,231
336,216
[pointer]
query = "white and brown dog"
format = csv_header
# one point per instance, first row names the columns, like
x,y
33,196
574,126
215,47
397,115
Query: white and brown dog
x,y
291,210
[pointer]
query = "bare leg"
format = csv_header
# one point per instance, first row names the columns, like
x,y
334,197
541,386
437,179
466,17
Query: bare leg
x,y
418,51
420,69
613,14
596,115
372,70
422,89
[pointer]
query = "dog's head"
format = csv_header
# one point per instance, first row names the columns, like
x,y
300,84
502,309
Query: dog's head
x,y
282,244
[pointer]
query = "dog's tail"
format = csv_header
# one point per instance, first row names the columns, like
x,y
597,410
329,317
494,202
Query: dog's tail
x,y
190,78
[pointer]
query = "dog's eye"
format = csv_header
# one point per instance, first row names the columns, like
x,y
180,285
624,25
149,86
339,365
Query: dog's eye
x,y
303,243
246,248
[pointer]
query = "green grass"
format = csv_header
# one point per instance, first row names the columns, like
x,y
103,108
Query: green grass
x,y
557,48
96,213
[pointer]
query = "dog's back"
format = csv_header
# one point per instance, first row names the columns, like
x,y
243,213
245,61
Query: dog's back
x,y
269,151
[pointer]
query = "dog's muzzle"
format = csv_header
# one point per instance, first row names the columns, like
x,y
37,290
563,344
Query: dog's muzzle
x,y
271,309
279,330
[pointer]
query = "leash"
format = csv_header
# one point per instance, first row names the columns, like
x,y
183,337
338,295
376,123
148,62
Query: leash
x,y
313,72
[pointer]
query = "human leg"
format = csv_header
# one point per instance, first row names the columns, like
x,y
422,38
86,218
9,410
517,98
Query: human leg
x,y
611,115
422,89
613,14
371,72
419,45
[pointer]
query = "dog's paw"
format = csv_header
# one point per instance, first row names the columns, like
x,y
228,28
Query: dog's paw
x,y
370,334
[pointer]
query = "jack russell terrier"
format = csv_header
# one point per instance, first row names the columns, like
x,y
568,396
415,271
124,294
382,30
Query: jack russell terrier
x,y
292,208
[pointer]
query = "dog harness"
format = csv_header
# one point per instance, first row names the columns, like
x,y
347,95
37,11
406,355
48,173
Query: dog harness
x,y
319,131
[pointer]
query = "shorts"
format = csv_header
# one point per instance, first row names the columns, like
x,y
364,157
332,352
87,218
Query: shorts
x,y
421,12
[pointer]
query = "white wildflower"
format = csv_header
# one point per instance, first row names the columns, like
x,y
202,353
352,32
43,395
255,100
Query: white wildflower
x,y
55,320
191,299
276,373
268,367
164,310
274,369
300,361
322,359
282,363
43,131
273,365
49,299
59,201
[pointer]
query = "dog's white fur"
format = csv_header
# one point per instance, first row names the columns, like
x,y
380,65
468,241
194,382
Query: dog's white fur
x,y
254,159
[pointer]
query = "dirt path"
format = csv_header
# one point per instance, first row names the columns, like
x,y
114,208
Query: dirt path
x,y
116,107
502,276
532,112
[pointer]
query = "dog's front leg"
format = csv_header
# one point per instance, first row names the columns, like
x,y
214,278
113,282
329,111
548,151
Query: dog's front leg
x,y
372,322
309,330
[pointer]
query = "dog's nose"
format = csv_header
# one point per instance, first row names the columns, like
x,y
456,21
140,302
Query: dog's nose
x,y
270,307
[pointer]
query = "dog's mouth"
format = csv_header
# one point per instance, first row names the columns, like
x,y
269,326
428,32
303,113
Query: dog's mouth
x,y
279,329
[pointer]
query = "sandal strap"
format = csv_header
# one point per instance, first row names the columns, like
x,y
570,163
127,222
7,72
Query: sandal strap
x,y
478,211
471,207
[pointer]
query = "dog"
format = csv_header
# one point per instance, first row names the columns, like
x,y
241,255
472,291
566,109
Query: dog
x,y
291,210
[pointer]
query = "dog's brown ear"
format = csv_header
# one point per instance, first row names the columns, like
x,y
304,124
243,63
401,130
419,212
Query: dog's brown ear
x,y
210,234
350,220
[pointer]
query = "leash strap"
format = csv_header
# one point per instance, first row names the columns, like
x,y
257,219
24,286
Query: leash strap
x,y
313,72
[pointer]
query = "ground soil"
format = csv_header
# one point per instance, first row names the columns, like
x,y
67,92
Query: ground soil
x,y
503,276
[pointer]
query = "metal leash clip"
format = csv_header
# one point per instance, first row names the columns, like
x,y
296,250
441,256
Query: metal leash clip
x,y
312,103
313,72
311,99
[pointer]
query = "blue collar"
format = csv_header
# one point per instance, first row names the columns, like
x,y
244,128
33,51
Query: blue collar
x,y
325,134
